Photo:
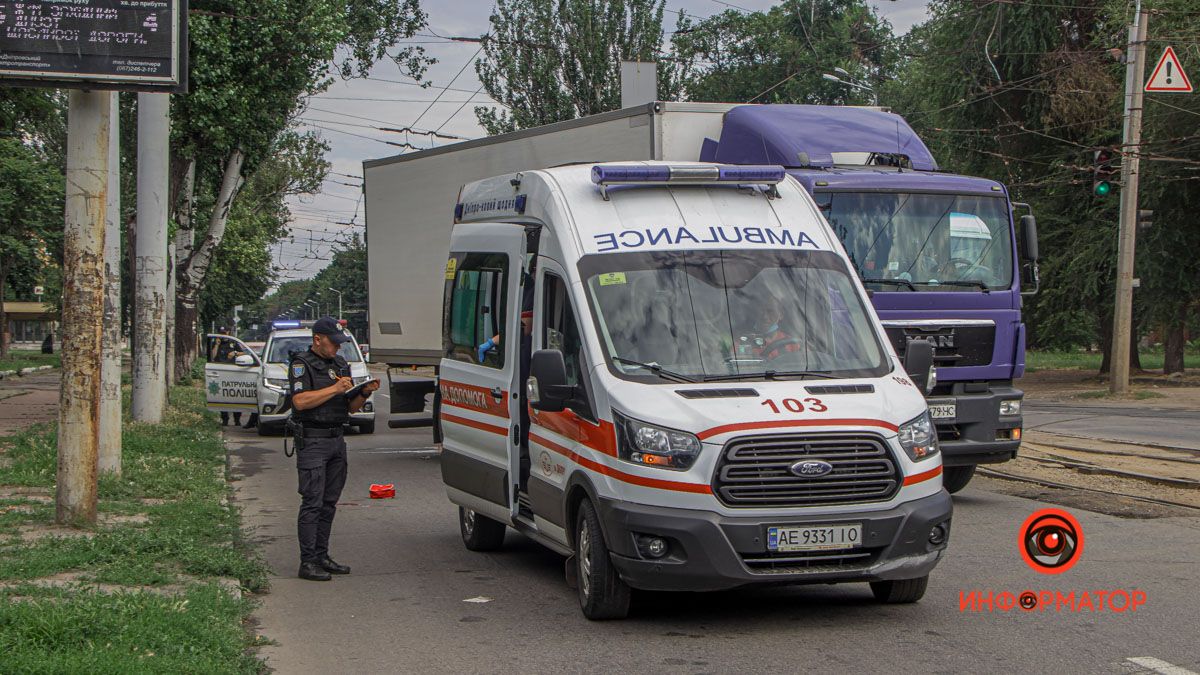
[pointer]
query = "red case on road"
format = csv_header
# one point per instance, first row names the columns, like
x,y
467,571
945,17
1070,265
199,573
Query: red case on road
x,y
383,491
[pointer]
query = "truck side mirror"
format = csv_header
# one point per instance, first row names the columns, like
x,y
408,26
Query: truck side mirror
x,y
1029,231
918,361
548,388
244,360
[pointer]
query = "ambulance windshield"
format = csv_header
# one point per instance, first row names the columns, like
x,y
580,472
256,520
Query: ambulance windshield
x,y
731,314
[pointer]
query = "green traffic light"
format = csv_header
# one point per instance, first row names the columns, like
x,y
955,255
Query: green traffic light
x,y
1102,188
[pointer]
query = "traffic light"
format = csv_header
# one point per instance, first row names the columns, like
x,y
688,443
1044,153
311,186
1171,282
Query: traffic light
x,y
1102,172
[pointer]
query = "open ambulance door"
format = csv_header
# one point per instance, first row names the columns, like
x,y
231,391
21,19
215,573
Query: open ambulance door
x,y
480,401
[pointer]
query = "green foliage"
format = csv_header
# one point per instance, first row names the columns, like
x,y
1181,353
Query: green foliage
x,y
780,55
25,358
554,60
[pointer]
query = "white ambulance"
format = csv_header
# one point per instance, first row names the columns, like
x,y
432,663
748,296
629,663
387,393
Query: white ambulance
x,y
671,374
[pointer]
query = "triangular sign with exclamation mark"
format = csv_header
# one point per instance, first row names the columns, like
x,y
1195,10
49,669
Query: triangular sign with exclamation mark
x,y
1168,75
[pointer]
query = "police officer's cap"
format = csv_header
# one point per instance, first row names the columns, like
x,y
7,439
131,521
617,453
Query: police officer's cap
x,y
328,326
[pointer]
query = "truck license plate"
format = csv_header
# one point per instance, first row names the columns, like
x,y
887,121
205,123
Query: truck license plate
x,y
784,538
943,411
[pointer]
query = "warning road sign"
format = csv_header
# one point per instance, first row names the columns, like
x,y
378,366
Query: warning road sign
x,y
1168,75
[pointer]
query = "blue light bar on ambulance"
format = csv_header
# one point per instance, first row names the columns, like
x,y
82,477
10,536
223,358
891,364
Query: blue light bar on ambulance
x,y
617,174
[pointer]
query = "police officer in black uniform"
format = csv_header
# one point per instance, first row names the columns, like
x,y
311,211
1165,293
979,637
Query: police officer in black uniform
x,y
319,379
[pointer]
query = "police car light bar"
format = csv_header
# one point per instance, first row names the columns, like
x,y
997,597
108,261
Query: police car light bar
x,y
285,324
625,174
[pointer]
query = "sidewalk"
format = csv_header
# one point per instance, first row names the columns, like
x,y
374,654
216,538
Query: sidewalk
x,y
27,400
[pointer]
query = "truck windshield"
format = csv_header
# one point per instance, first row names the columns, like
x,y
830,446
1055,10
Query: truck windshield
x,y
924,242
731,314
281,349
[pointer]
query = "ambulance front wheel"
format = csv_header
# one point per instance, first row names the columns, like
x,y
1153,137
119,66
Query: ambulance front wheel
x,y
479,533
602,593
900,591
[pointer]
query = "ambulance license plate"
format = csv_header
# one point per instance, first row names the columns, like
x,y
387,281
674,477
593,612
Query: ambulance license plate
x,y
943,411
784,538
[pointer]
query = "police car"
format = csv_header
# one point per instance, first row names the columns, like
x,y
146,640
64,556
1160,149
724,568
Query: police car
x,y
296,336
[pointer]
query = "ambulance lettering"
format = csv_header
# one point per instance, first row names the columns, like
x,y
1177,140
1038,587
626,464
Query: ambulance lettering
x,y
464,397
711,237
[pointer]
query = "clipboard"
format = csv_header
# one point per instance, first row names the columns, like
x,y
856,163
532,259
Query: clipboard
x,y
357,389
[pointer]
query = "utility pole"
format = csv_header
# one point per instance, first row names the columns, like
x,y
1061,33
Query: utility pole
x,y
83,305
110,373
149,358
1131,147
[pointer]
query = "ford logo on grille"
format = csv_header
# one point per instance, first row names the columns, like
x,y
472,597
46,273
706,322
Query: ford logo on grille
x,y
811,468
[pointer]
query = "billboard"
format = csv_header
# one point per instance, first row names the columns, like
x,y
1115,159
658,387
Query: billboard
x,y
94,44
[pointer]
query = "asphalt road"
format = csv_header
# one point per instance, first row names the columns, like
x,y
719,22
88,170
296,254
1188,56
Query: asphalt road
x,y
1170,427
418,601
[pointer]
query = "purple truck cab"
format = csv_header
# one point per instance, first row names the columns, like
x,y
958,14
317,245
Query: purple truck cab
x,y
938,251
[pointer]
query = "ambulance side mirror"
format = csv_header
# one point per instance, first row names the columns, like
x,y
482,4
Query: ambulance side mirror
x,y
548,388
918,361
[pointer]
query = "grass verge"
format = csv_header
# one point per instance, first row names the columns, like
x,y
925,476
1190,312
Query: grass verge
x,y
141,591
1151,360
29,358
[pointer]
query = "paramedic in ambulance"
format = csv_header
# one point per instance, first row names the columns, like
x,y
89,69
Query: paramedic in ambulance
x,y
776,341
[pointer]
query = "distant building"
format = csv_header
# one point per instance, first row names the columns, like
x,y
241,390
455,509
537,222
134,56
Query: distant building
x,y
29,322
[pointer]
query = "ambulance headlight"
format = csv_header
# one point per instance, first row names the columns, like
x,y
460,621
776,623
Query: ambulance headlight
x,y
652,445
918,438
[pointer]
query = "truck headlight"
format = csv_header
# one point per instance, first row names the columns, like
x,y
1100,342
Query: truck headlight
x,y
651,445
918,438
276,383
1010,407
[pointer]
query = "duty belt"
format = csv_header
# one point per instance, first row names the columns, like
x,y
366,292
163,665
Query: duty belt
x,y
313,432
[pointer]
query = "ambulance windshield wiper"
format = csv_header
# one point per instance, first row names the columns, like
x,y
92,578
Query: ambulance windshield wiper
x,y
655,368
895,282
775,375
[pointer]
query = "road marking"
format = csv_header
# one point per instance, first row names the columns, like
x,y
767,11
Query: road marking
x,y
479,599
1159,666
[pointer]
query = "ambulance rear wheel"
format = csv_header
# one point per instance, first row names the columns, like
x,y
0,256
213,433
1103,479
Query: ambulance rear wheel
x,y
479,533
957,477
900,591
602,593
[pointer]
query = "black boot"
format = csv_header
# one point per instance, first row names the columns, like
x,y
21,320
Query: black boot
x,y
313,572
333,567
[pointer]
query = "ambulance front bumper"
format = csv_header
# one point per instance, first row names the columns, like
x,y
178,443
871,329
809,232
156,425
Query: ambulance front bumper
x,y
707,551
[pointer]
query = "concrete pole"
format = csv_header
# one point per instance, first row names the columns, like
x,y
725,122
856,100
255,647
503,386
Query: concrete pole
x,y
1131,147
149,357
83,305
110,374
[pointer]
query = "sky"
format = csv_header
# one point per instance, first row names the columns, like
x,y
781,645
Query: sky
x,y
348,116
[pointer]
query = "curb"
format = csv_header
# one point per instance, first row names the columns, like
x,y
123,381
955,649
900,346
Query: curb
x,y
23,371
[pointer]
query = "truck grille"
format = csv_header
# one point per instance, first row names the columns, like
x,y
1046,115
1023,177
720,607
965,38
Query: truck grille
x,y
952,345
756,471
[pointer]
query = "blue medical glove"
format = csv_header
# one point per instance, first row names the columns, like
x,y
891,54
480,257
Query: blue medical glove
x,y
485,348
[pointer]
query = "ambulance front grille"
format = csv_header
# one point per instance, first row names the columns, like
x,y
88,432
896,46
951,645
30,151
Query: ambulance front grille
x,y
756,471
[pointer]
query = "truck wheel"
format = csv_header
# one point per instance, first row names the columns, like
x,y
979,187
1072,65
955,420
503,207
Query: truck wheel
x,y
957,477
367,427
479,533
900,591
602,593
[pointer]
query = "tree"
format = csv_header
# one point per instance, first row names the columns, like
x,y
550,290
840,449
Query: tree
x,y
31,214
554,60
347,273
780,55
252,62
